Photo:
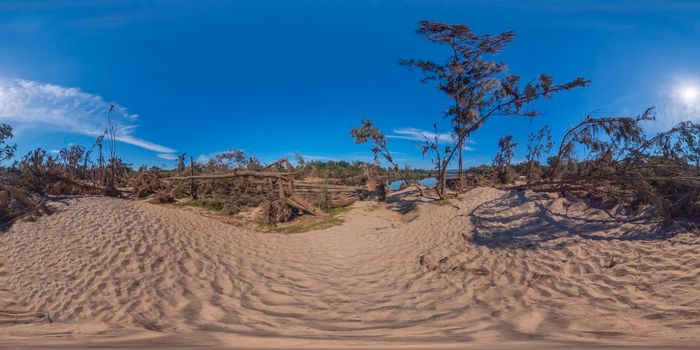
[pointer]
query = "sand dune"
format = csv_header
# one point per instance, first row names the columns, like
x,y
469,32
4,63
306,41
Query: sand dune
x,y
504,267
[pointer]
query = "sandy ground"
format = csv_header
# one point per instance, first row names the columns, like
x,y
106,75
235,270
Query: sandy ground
x,y
504,270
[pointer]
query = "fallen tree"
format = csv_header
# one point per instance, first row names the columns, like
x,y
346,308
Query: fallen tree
x,y
623,167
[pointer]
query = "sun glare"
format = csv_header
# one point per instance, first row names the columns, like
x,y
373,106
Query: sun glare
x,y
689,94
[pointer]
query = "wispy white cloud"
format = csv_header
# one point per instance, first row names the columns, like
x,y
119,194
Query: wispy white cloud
x,y
166,156
313,157
67,109
348,157
419,135
144,144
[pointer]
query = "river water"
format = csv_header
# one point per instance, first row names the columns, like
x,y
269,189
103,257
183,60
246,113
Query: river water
x,y
428,182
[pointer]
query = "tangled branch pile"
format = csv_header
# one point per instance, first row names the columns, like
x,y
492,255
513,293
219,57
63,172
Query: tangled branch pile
x,y
233,182
147,182
73,170
621,166
16,203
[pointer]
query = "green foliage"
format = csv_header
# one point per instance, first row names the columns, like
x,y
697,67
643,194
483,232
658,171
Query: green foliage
x,y
346,172
318,225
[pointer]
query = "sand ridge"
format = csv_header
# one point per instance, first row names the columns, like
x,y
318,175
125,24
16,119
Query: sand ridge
x,y
504,266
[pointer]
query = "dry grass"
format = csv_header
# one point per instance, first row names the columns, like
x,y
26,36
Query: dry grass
x,y
310,223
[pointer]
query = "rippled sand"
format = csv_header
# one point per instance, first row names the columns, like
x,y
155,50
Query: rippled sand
x,y
502,270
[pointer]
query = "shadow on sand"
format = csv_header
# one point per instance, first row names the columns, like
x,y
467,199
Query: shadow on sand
x,y
519,221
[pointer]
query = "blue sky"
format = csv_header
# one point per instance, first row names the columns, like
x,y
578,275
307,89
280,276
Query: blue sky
x,y
276,77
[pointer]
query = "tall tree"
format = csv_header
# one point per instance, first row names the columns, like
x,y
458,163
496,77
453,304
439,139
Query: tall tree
x,y
478,86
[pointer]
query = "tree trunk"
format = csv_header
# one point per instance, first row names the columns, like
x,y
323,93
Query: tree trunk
x,y
460,160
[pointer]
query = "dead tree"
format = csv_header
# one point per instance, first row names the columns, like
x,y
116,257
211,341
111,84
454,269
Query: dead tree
x,y
538,143
110,184
181,162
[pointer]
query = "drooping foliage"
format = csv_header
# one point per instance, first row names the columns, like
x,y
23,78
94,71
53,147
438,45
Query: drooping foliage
x,y
612,160
368,133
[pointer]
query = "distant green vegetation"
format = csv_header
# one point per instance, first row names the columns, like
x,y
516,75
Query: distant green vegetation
x,y
351,173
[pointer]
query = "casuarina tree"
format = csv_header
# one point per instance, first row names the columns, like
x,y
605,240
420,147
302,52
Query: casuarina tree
x,y
479,87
